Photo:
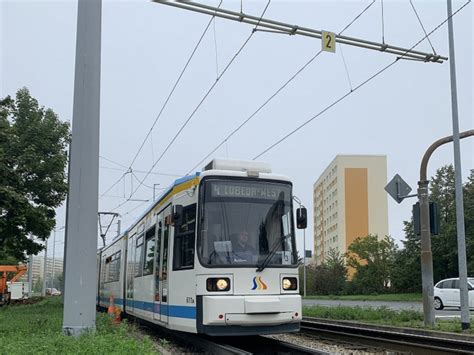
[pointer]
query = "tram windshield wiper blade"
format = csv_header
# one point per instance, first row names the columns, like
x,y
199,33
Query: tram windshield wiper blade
x,y
265,262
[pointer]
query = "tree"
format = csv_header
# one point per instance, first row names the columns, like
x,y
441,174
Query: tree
x,y
58,282
373,261
469,222
328,278
407,272
33,183
38,285
337,270
444,246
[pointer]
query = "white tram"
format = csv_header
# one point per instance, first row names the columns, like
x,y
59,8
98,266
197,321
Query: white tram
x,y
215,254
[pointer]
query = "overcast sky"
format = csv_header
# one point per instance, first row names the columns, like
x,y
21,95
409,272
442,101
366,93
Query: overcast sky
x,y
145,46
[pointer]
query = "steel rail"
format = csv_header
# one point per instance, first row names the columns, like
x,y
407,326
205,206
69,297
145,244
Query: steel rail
x,y
211,346
399,338
290,29
257,344
227,345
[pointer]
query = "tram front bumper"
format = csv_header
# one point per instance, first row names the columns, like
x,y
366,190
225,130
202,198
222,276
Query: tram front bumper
x,y
268,310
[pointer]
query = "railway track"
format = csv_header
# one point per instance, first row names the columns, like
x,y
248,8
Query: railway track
x,y
394,339
264,345
348,335
194,343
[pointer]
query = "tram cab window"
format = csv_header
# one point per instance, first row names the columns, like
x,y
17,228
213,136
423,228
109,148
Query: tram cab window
x,y
149,252
183,250
244,223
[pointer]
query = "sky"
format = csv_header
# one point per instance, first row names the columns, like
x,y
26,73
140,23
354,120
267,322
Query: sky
x,y
146,45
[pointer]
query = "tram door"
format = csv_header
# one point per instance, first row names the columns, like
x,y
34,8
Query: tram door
x,y
161,269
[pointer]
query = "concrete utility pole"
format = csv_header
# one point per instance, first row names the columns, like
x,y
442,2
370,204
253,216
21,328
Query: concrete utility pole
x,y
426,255
43,291
465,323
82,204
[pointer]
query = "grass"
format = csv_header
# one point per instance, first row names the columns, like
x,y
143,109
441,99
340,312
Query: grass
x,y
382,316
37,329
396,297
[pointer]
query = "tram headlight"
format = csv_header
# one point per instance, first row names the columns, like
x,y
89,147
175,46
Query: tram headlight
x,y
289,283
214,284
222,284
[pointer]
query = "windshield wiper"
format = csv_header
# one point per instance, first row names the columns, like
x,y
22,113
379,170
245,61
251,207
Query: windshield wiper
x,y
272,252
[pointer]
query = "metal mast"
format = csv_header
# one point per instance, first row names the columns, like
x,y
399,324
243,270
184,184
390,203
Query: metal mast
x,y
465,323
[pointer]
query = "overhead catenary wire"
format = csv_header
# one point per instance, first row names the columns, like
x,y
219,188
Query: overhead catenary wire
x,y
272,96
173,88
143,171
356,18
215,47
345,66
356,88
150,187
198,105
114,184
112,161
162,107
152,149
421,24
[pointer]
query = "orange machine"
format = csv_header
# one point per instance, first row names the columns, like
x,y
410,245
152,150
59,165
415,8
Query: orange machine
x,y
17,271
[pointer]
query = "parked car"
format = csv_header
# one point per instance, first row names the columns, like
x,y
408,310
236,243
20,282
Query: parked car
x,y
53,292
446,293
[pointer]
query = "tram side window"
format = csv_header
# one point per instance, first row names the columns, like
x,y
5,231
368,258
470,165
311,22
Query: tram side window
x,y
139,256
113,267
183,250
103,270
149,251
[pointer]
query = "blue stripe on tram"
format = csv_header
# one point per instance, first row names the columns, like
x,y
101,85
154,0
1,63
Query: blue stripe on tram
x,y
165,309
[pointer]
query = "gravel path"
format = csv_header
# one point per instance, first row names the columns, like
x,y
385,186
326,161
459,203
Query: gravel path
x,y
330,346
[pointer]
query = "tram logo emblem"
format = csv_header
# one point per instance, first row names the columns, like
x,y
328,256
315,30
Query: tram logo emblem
x,y
258,284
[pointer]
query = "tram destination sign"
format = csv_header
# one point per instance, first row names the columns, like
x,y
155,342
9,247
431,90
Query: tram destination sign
x,y
245,190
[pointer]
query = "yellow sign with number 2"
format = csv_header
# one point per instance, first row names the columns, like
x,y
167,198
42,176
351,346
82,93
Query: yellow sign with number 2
x,y
328,41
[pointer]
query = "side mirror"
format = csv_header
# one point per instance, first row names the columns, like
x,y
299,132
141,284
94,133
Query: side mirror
x,y
301,218
177,215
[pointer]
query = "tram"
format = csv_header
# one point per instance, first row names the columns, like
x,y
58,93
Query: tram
x,y
215,254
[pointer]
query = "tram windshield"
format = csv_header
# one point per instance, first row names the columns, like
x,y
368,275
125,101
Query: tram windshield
x,y
246,223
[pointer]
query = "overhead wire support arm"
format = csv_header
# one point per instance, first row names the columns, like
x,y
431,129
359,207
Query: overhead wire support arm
x,y
303,31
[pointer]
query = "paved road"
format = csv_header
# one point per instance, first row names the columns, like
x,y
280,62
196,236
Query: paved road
x,y
450,312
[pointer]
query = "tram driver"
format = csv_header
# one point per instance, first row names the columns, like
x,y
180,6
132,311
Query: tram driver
x,y
243,250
